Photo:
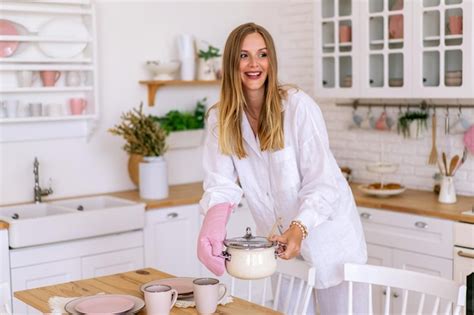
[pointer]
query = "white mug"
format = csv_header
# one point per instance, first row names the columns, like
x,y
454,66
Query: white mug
x,y
160,299
36,109
24,110
54,110
11,107
74,78
26,78
208,292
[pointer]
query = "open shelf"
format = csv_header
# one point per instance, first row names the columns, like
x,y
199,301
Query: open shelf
x,y
153,86
32,38
47,89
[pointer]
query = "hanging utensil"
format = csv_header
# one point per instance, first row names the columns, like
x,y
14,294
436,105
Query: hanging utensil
x,y
434,152
446,122
445,164
463,159
453,164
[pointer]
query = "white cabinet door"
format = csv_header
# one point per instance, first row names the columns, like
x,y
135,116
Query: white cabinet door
x,y
113,262
42,275
435,266
5,292
171,238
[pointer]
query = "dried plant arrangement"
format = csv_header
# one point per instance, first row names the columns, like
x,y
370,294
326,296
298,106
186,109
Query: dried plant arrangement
x,y
143,135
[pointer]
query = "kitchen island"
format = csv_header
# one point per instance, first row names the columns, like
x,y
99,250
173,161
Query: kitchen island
x,y
124,283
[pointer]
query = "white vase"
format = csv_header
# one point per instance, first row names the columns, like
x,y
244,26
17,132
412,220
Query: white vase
x,y
206,70
447,193
153,178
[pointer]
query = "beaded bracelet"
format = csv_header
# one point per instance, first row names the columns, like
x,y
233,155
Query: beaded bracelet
x,y
302,228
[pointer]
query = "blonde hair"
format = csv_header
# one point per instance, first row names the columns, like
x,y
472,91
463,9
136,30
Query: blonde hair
x,y
232,101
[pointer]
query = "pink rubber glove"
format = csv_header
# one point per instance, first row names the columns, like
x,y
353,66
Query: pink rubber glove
x,y
211,238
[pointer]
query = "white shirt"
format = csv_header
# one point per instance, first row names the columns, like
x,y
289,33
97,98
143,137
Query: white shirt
x,y
300,182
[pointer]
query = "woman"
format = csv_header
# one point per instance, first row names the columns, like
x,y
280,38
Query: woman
x,y
270,143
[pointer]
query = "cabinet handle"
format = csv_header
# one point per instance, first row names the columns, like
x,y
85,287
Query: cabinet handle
x,y
325,82
466,255
172,215
395,295
240,205
424,80
365,215
421,225
371,81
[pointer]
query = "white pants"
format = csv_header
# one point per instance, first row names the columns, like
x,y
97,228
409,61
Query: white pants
x,y
331,301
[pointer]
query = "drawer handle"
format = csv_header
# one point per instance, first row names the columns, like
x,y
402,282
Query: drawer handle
x,y
365,215
421,225
466,255
240,205
172,215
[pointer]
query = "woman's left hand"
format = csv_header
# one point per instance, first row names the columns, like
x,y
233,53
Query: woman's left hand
x,y
291,241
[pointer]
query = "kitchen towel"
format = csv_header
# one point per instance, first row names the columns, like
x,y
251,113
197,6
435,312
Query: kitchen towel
x,y
57,303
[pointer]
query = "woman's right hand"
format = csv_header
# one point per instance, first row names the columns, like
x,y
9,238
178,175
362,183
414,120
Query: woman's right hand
x,y
211,238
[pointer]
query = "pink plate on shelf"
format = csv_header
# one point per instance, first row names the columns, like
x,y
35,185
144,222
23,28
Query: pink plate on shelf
x,y
7,48
184,285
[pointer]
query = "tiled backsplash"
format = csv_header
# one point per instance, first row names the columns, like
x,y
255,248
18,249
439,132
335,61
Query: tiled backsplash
x,y
356,148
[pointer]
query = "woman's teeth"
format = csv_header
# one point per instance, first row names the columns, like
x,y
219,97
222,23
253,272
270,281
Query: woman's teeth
x,y
253,75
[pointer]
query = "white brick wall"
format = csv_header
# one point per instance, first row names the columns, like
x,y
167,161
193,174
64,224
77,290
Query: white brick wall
x,y
357,148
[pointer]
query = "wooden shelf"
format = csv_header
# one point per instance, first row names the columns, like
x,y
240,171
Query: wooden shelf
x,y
153,86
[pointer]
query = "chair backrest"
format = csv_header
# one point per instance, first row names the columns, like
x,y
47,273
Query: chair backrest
x,y
4,298
300,277
427,285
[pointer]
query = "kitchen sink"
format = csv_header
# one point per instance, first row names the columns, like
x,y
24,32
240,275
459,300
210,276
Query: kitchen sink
x,y
58,221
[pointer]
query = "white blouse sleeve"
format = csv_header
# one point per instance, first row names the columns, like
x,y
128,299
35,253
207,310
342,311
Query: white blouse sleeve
x,y
319,196
220,181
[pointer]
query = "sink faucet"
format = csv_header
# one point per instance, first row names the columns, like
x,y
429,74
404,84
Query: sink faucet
x,y
39,192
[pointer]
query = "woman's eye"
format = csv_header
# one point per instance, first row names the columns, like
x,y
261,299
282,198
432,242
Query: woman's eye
x,y
243,56
262,55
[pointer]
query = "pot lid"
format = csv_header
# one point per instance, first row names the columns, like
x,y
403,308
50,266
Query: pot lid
x,y
248,241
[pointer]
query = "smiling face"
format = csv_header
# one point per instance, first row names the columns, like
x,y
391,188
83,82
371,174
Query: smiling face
x,y
254,63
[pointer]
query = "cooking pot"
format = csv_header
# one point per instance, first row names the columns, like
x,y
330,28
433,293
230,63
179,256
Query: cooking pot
x,y
250,257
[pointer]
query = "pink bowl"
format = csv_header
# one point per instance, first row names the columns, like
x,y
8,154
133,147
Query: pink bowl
x,y
7,48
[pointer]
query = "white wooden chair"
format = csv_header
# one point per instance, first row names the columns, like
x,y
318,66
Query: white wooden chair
x,y
292,270
5,298
409,281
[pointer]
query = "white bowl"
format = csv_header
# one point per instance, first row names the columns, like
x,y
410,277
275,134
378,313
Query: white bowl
x,y
162,70
381,192
382,168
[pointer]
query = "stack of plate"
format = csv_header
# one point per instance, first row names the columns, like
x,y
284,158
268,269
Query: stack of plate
x,y
347,81
105,304
453,78
184,286
395,82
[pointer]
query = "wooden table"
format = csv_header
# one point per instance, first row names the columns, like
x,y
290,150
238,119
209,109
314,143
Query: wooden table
x,y
124,283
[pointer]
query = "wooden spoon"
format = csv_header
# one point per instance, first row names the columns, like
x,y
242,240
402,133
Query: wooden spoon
x,y
453,164
445,163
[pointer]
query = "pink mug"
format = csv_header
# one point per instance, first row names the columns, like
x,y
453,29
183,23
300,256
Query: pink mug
x,y
344,33
455,24
49,77
77,105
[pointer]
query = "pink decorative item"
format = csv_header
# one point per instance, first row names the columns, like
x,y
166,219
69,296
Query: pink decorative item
x,y
455,24
49,77
7,48
345,34
395,24
211,238
381,123
469,139
77,105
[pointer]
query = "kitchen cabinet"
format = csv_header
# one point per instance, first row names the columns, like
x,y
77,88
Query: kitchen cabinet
x,y
463,252
5,291
398,49
408,242
37,266
171,239
53,60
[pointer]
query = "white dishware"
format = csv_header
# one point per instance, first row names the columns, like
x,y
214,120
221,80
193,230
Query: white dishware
x,y
138,303
36,109
250,257
382,167
208,292
160,299
67,28
153,182
183,285
188,69
26,78
54,110
74,78
24,110
11,108
381,192
3,112
163,70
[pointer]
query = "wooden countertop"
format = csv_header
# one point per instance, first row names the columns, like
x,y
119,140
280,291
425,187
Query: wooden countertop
x,y
411,201
124,283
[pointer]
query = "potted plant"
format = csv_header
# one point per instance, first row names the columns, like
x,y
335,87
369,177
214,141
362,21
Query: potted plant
x,y
208,63
144,137
185,129
413,124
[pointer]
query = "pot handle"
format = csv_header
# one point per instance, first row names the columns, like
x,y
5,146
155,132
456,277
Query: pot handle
x,y
225,255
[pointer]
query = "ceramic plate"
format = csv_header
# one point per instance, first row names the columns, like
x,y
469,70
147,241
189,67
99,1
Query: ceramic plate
x,y
105,303
7,48
63,28
184,285
381,192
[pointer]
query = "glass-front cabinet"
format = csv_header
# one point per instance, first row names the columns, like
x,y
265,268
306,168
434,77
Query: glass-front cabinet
x,y
394,49
336,48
